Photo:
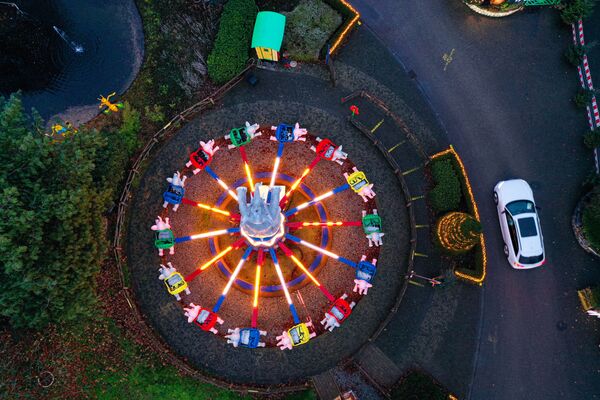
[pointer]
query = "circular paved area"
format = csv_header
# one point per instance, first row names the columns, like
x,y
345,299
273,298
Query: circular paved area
x,y
266,366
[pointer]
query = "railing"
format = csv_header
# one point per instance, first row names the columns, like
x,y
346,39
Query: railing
x,y
134,172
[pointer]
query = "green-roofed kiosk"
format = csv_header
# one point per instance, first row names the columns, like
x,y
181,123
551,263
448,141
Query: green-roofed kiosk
x,y
268,35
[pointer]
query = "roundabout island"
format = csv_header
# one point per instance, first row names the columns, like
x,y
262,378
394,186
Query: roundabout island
x,y
271,266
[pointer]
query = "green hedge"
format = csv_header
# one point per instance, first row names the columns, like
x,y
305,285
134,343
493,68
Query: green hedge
x,y
446,193
471,263
230,52
591,220
307,29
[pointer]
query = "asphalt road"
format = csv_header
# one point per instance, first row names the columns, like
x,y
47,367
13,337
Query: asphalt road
x,y
502,92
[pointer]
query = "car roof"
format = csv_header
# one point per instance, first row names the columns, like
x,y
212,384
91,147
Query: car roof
x,y
531,245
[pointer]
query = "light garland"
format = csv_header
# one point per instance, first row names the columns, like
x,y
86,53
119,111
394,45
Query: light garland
x,y
471,199
347,28
450,235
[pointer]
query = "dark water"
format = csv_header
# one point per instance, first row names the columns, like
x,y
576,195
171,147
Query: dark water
x,y
111,34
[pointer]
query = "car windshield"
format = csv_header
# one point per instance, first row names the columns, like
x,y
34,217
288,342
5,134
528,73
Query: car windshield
x,y
520,207
531,260
527,227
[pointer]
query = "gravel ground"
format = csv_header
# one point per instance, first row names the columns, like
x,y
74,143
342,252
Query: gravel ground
x,y
266,366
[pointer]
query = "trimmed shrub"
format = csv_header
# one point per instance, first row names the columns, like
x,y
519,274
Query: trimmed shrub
x,y
577,9
446,193
457,232
591,139
583,97
308,27
230,52
418,385
591,220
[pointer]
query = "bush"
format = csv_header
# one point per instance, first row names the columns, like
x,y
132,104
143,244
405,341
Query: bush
x,y
591,220
577,9
418,385
446,193
574,54
591,139
583,97
230,52
52,230
308,27
458,232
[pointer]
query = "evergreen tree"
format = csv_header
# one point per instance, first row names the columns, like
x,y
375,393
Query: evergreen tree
x,y
52,234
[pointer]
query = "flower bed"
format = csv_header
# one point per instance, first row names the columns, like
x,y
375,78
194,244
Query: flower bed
x,y
471,265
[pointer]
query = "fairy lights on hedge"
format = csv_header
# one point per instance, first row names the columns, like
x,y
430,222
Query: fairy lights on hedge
x,y
346,30
471,199
451,235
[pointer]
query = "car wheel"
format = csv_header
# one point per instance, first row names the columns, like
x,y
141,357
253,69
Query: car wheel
x,y
506,250
496,198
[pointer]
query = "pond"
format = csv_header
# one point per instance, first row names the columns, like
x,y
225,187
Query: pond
x,y
96,47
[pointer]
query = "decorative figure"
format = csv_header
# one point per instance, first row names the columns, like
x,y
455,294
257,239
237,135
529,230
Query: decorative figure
x,y
354,110
261,223
163,237
339,311
360,184
105,102
242,136
202,157
327,150
175,192
295,336
203,317
365,271
245,337
372,227
286,133
173,280
61,128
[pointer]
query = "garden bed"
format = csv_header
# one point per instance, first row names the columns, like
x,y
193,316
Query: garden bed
x,y
448,197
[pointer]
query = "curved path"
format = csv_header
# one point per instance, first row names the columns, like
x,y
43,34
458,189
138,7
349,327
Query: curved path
x,y
504,100
113,41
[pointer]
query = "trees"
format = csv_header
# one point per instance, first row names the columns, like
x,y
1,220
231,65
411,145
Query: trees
x,y
52,235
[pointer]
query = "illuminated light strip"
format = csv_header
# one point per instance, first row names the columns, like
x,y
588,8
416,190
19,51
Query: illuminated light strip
x,y
298,181
291,255
347,28
220,182
328,223
276,165
232,279
204,266
207,235
247,168
478,280
302,206
284,286
205,207
321,250
259,262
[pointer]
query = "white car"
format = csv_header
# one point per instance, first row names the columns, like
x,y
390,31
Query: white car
x,y
520,225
